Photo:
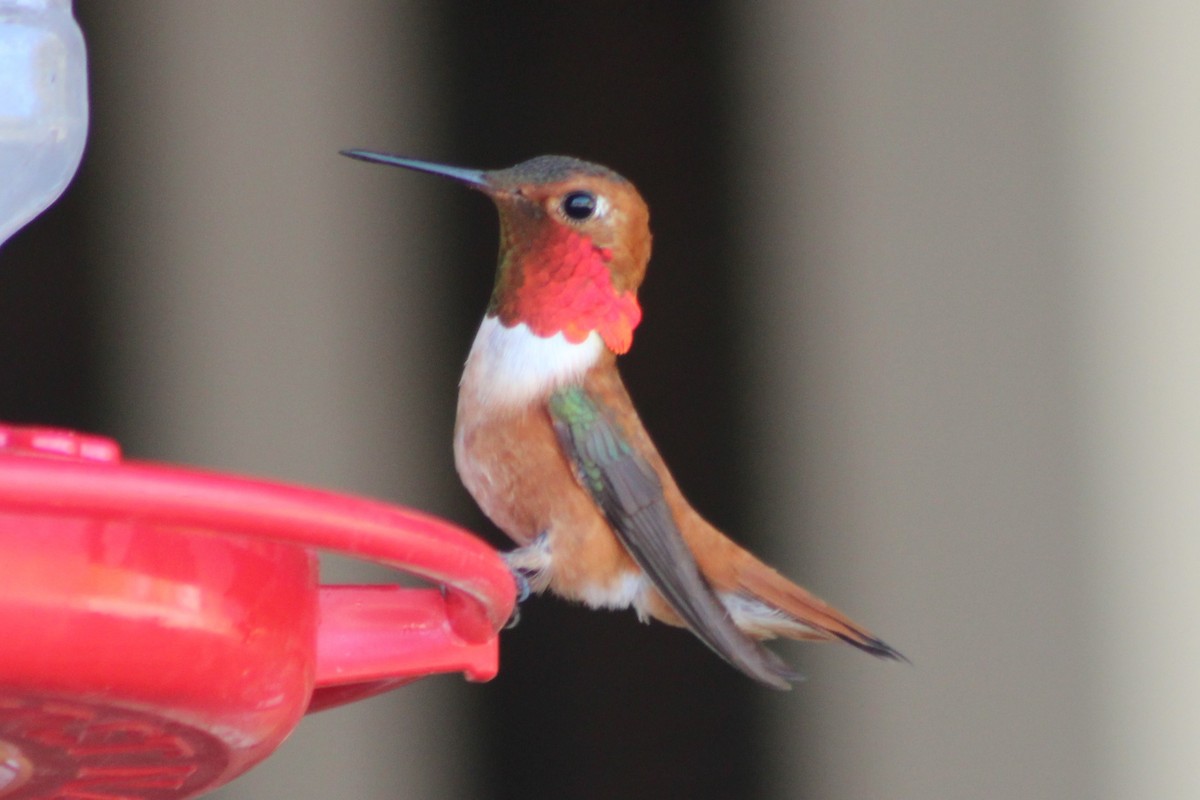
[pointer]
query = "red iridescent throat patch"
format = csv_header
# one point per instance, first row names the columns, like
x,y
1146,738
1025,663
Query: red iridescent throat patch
x,y
564,285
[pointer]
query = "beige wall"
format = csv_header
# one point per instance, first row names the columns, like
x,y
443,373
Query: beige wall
x,y
975,238
1133,228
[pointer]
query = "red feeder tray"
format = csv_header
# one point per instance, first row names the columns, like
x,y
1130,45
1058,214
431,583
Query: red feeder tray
x,y
162,630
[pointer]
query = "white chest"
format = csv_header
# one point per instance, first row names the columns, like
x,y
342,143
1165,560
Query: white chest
x,y
513,366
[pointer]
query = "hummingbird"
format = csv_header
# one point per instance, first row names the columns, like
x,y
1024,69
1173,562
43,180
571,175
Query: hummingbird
x,y
548,442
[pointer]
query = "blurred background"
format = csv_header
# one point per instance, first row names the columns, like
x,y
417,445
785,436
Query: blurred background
x,y
921,327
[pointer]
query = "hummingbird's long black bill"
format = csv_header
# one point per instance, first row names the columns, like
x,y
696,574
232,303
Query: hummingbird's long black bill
x,y
471,177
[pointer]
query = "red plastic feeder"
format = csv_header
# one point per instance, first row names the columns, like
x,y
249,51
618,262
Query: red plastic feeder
x,y
162,630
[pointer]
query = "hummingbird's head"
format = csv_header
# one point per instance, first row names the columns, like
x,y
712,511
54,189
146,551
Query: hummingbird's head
x,y
574,245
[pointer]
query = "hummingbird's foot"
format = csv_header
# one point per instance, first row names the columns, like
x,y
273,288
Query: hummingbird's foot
x,y
524,588
529,567
524,591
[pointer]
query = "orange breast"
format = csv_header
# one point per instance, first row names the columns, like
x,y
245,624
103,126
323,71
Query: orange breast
x,y
512,465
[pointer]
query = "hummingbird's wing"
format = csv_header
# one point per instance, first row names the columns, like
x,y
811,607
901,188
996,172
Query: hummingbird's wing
x,y
629,492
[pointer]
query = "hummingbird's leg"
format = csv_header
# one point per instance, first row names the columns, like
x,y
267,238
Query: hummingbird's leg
x,y
530,568
532,564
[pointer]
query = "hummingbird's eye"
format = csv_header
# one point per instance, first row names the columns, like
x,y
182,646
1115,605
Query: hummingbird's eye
x,y
579,205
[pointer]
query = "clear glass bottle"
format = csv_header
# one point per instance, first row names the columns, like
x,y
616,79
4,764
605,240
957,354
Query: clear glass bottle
x,y
43,106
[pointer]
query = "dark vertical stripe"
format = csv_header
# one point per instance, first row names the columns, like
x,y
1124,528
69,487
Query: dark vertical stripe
x,y
592,704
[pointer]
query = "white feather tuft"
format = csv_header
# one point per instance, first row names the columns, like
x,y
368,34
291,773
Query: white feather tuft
x,y
759,619
514,366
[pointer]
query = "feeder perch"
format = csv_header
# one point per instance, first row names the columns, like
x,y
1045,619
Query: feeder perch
x,y
163,629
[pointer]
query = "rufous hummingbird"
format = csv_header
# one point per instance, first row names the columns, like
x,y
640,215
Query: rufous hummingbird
x,y
549,444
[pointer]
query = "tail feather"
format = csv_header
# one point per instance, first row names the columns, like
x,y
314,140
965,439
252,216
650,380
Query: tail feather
x,y
792,612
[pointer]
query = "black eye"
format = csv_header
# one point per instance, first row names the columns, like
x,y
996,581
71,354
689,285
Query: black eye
x,y
579,205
